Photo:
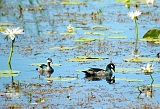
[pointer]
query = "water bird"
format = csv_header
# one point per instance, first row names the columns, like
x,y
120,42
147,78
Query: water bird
x,y
46,69
101,72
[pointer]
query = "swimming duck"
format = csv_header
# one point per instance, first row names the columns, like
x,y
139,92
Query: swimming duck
x,y
100,72
46,69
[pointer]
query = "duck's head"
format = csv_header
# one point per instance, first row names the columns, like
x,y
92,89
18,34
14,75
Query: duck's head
x,y
158,55
110,67
49,60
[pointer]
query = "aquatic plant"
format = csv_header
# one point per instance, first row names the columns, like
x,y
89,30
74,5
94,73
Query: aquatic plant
x,y
12,33
134,16
149,2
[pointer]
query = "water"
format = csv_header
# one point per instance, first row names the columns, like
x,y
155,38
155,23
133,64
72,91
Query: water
x,y
83,93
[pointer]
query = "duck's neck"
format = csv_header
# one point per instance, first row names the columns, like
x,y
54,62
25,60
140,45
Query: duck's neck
x,y
48,64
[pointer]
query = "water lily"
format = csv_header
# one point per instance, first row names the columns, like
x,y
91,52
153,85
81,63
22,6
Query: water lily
x,y
134,14
70,28
12,33
147,68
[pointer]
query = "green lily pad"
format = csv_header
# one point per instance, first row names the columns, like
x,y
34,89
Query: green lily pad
x,y
85,58
72,3
117,37
67,33
100,28
141,59
156,85
150,39
5,24
38,64
153,33
131,1
84,39
117,32
60,79
2,29
130,79
95,33
9,73
127,70
63,48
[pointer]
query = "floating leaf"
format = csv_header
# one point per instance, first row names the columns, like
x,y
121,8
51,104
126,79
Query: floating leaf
x,y
83,39
131,1
60,79
117,32
8,73
130,80
127,70
117,37
85,58
153,33
150,39
141,59
72,3
35,54
156,85
38,64
63,48
95,33
100,28
5,24
2,29
67,33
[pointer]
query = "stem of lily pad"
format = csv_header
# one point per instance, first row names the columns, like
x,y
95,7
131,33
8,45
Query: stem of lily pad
x,y
152,79
136,38
10,54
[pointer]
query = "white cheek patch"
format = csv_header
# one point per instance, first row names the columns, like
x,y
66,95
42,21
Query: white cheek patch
x,y
112,66
48,61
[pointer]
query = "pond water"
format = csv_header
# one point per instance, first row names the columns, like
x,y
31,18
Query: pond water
x,y
45,25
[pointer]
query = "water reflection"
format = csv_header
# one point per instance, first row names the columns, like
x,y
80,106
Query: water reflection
x,y
109,79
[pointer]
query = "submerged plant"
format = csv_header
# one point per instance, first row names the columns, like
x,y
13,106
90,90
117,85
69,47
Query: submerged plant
x,y
134,16
12,33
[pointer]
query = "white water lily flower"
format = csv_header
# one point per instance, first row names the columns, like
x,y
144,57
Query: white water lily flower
x,y
134,14
147,68
13,32
70,28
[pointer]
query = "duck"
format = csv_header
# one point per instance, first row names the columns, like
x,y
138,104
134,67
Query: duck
x,y
46,69
100,72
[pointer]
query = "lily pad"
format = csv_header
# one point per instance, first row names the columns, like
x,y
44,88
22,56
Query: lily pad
x,y
63,48
9,73
67,33
60,79
156,85
130,79
150,39
85,58
117,37
127,70
117,32
5,24
84,39
153,33
95,33
38,64
2,29
131,1
72,3
100,28
141,59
